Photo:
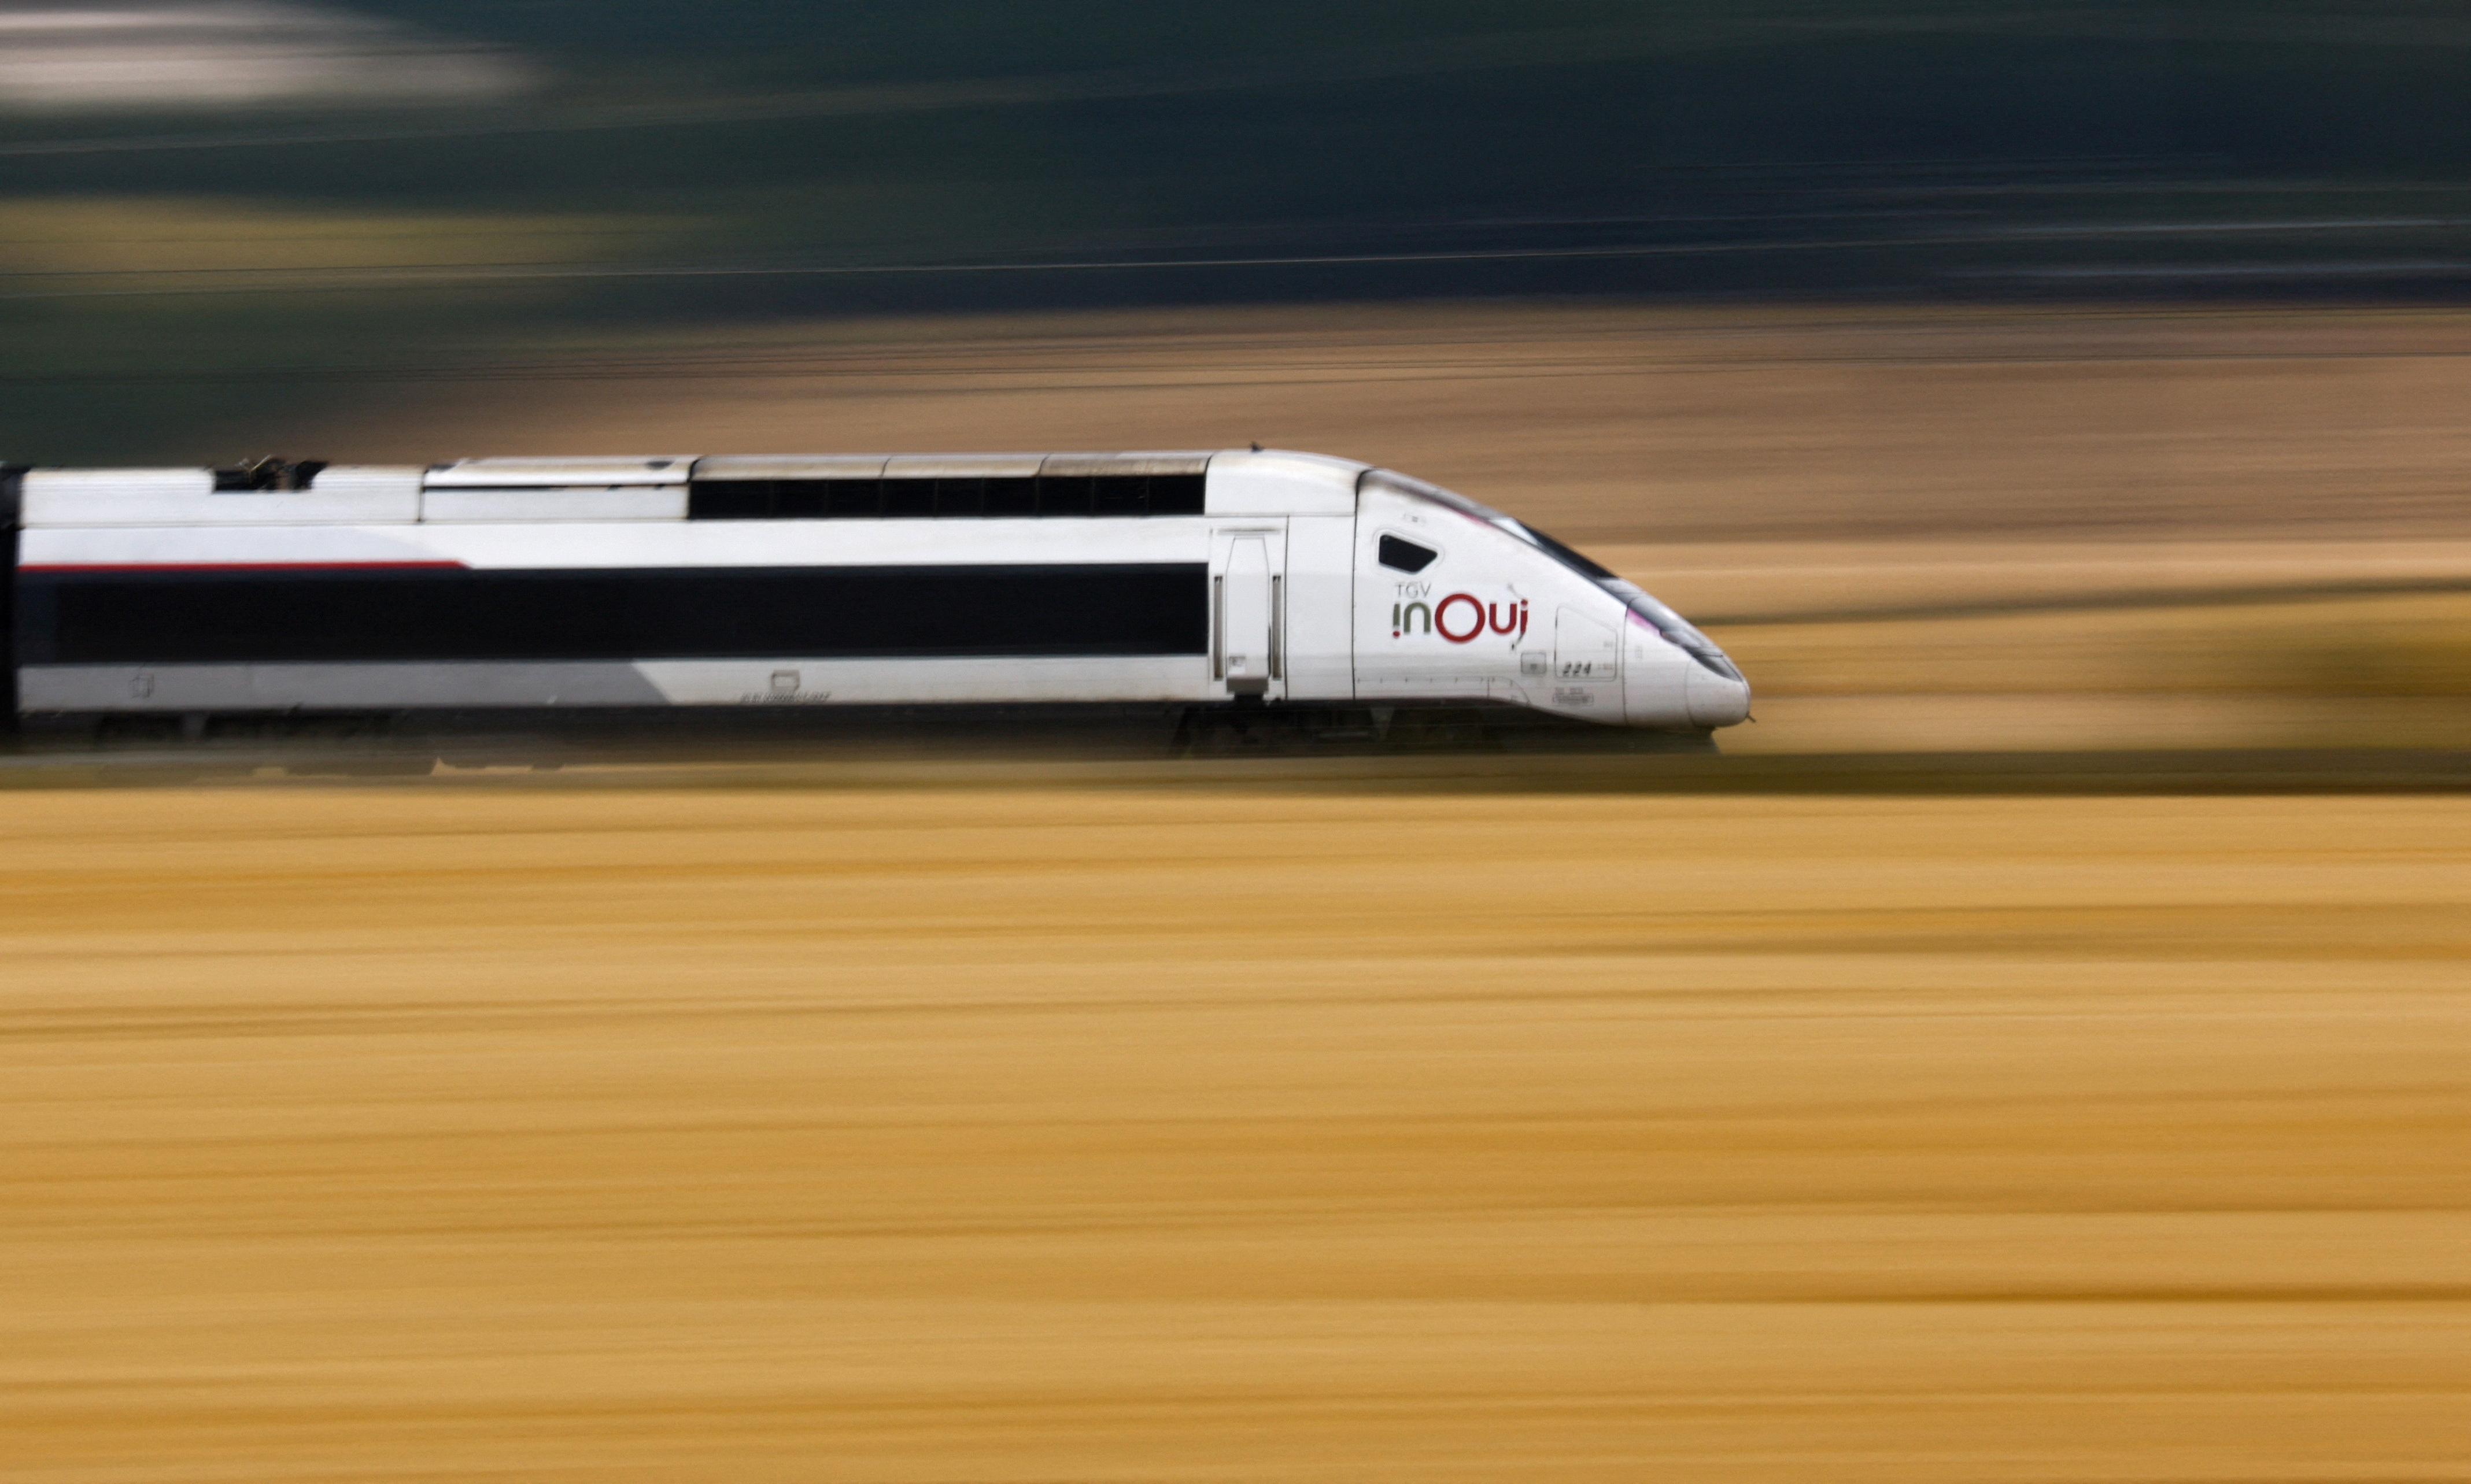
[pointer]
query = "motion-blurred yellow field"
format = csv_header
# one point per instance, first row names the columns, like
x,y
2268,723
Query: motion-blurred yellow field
x,y
477,1132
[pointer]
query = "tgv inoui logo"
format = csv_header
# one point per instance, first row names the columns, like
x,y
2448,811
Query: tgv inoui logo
x,y
1462,619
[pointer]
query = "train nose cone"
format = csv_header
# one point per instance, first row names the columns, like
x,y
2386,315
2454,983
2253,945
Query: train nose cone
x,y
1715,700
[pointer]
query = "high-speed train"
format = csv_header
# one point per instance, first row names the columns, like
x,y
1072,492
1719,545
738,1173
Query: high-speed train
x,y
1233,578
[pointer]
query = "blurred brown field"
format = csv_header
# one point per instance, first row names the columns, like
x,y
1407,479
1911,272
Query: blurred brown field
x,y
565,1132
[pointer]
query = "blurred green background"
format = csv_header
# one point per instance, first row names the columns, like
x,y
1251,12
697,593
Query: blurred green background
x,y
170,263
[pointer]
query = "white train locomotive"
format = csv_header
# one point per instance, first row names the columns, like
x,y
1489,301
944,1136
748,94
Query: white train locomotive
x,y
1233,578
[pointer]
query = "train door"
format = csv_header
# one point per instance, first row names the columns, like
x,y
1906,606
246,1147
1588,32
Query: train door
x,y
1248,597
1587,665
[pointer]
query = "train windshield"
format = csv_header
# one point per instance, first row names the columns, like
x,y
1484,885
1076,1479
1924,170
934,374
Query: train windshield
x,y
1676,630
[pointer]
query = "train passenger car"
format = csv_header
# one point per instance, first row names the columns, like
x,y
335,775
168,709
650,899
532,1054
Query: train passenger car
x,y
1231,579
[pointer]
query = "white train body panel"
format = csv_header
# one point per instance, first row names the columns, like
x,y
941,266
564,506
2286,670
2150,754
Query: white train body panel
x,y
1234,576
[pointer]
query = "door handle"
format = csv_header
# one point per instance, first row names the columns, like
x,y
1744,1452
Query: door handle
x,y
1218,628
1278,627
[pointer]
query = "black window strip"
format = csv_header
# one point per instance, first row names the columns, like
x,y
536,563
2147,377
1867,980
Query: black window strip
x,y
629,614
7,618
867,499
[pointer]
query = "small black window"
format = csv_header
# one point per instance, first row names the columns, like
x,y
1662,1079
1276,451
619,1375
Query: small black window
x,y
1064,494
1405,555
733,500
909,497
1119,495
855,498
1177,493
800,500
1011,496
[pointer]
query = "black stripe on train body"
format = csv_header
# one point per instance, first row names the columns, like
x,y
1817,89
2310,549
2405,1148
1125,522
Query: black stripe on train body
x,y
456,614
